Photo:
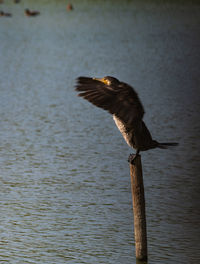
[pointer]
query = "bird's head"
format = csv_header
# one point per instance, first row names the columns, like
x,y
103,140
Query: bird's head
x,y
108,80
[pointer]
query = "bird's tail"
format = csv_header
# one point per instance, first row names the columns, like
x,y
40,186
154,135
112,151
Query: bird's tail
x,y
167,145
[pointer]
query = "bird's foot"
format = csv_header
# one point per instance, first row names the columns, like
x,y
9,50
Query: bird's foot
x,y
132,157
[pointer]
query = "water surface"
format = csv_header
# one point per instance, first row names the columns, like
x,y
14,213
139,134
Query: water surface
x,y
65,185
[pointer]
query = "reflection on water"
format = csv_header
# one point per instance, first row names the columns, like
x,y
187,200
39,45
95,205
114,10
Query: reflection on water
x,y
65,185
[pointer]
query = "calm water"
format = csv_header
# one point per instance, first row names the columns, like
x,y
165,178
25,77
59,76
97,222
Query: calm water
x,y
65,184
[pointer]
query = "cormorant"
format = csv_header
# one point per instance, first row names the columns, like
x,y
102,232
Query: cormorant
x,y
120,99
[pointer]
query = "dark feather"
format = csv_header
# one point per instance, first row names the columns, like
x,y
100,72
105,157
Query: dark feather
x,y
167,145
120,100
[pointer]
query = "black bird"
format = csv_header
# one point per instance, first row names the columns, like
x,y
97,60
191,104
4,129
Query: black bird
x,y
5,14
31,13
120,99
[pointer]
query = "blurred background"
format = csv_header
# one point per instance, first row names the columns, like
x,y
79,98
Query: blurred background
x,y
65,185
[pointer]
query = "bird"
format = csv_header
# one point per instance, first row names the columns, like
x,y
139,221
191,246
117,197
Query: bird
x,y
31,13
69,7
5,14
123,103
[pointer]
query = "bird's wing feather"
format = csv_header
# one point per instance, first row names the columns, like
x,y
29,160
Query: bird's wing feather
x,y
120,100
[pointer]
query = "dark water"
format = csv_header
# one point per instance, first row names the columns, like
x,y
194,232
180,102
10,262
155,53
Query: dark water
x,y
65,185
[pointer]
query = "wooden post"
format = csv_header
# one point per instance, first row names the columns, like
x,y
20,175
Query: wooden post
x,y
137,189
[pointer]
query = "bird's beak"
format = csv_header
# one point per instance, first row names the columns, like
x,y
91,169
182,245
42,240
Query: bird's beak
x,y
98,79
103,80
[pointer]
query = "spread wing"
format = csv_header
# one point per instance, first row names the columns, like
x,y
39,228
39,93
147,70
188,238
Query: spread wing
x,y
120,100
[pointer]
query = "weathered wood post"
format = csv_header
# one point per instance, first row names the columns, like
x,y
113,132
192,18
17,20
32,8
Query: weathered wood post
x,y
137,189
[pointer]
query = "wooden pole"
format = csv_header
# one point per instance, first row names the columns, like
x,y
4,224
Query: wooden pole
x,y
137,189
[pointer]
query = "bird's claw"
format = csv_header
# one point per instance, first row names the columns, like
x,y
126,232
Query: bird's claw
x,y
131,158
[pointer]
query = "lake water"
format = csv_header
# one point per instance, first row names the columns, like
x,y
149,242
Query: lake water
x,y
65,185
